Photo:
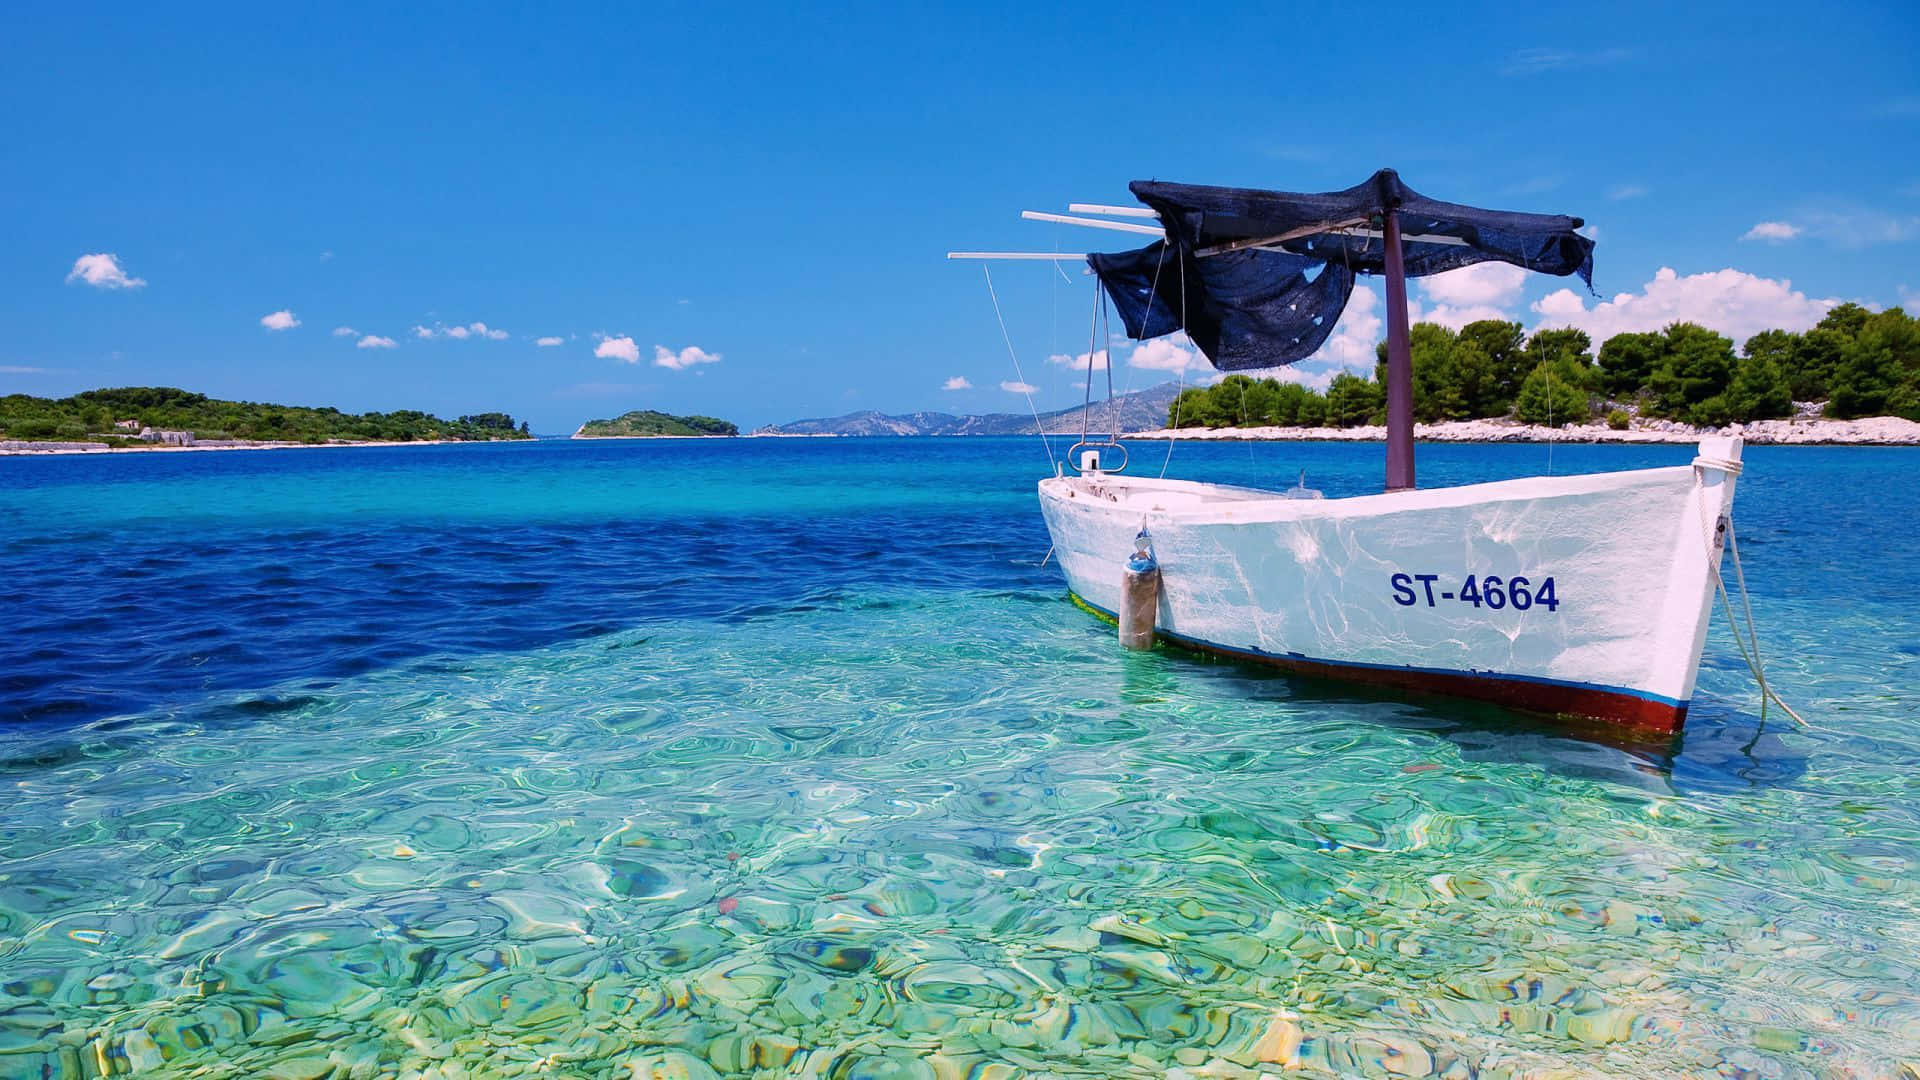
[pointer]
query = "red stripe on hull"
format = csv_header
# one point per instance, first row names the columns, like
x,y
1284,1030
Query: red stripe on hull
x,y
1584,703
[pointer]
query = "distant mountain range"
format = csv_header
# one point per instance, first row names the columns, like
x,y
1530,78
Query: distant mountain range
x,y
1142,410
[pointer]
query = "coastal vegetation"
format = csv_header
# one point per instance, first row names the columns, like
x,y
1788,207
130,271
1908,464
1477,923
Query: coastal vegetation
x,y
1854,363
643,422
118,415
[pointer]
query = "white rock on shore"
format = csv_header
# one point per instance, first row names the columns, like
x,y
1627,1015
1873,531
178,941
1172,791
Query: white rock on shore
x,y
1873,431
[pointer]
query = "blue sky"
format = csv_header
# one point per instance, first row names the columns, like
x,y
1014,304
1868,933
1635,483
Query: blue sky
x,y
762,198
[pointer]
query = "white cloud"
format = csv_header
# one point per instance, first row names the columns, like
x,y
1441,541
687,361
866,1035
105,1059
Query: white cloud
x,y
1290,373
375,341
958,382
344,331
1773,232
279,320
1627,191
1079,363
1350,348
326,256
1539,61
619,348
21,369
460,333
1453,318
1496,284
685,358
1470,294
1732,302
1012,387
1852,227
1173,352
1843,227
549,342
102,272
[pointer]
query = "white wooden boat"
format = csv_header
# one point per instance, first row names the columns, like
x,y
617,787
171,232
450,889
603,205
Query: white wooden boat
x,y
1586,596
1580,595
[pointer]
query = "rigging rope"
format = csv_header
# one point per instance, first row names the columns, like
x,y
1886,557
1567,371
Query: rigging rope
x,y
1038,427
1093,339
1106,337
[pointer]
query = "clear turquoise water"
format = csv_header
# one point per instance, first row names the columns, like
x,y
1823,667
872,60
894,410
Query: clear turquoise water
x,y
780,756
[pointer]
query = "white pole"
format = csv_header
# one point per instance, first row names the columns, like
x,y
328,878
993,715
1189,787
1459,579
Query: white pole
x,y
1093,223
1056,256
1111,211
1272,243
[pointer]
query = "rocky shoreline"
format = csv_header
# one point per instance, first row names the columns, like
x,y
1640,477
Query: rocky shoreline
x,y
1873,431
44,447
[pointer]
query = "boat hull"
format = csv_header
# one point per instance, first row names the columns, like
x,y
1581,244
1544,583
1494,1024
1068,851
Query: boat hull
x,y
1585,596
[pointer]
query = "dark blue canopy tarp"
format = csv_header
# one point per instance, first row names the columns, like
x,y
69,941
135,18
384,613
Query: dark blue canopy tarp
x,y
1259,278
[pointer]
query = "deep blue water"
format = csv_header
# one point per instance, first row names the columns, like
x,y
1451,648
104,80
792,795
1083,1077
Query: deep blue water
x,y
695,758
137,580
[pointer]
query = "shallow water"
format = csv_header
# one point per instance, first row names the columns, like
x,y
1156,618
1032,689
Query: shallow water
x,y
787,756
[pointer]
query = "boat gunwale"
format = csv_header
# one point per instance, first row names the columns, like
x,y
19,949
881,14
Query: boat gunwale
x,y
1238,509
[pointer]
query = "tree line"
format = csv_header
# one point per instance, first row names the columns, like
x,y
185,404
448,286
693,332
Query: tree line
x,y
95,412
1858,362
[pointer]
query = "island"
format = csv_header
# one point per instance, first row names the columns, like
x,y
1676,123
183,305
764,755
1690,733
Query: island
x,y
650,424
164,417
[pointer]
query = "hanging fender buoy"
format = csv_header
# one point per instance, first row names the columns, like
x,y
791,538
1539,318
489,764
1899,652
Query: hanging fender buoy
x,y
1139,594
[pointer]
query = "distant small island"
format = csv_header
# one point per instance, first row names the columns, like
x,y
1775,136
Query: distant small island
x,y
164,417
648,423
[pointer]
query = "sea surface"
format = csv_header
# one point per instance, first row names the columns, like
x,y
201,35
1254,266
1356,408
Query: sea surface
x,y
787,756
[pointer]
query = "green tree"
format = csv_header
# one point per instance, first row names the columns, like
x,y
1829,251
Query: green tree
x,y
1453,379
1847,320
173,409
1815,356
1879,369
1352,400
1257,402
1287,401
1698,365
1313,410
1559,344
1228,398
1192,408
1628,360
1504,346
1555,393
1774,345
1759,390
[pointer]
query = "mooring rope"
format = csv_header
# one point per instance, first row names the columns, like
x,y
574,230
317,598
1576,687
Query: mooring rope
x,y
1752,656
1749,645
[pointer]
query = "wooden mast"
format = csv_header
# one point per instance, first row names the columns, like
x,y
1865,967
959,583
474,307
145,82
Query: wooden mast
x,y
1399,363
